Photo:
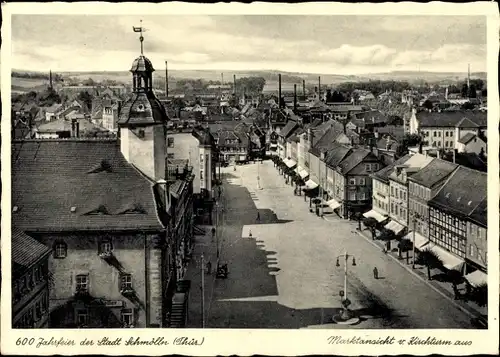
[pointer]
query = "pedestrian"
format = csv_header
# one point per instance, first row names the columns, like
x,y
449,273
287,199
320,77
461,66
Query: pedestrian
x,y
375,273
209,268
258,216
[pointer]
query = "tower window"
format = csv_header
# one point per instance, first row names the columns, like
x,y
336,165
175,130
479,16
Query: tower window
x,y
60,250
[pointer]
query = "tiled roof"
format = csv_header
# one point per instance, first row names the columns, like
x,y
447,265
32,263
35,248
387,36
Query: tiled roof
x,y
336,154
288,129
353,159
414,163
142,109
52,176
452,119
371,117
325,142
464,190
383,174
433,172
466,138
25,251
387,142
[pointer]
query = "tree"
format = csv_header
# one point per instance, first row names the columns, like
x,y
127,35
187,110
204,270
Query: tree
x,y
467,106
88,82
430,259
178,104
428,104
387,235
465,90
358,217
371,224
409,140
405,245
472,91
328,95
480,294
86,98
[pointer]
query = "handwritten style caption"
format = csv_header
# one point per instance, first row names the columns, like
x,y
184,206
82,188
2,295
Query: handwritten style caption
x,y
41,342
391,340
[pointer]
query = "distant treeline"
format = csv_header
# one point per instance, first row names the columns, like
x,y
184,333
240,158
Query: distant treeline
x,y
36,75
248,84
376,87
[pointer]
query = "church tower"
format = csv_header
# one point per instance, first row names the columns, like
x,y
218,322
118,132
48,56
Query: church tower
x,y
142,122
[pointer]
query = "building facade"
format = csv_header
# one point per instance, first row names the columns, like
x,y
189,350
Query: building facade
x,y
453,213
30,282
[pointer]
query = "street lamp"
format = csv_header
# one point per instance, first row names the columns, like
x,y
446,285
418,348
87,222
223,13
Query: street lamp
x,y
217,229
258,176
345,300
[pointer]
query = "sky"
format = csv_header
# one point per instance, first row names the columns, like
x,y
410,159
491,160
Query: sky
x,y
292,43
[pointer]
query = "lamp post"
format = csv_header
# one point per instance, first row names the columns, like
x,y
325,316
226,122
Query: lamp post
x,y
345,300
258,176
217,230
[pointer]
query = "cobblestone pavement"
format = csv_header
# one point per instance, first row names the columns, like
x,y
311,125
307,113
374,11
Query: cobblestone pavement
x,y
282,271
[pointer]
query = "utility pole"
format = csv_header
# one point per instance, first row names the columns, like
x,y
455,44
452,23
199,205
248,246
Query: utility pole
x,y
202,292
166,79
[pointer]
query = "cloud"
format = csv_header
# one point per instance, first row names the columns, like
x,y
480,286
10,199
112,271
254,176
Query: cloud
x,y
374,55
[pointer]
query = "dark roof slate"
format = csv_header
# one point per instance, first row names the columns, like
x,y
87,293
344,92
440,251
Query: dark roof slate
x,y
466,138
462,192
49,177
288,129
462,119
433,172
142,109
353,159
336,154
25,251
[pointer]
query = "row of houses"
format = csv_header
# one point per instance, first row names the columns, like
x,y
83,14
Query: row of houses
x,y
437,205
440,204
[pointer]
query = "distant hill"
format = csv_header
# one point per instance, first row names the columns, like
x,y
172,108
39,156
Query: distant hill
x,y
271,76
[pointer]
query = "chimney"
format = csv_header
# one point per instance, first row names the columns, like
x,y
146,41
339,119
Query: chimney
x,y
221,79
309,136
304,88
468,78
77,129
319,85
294,97
73,128
279,90
166,79
234,84
50,79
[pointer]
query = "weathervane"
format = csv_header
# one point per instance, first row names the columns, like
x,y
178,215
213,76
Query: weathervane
x,y
141,38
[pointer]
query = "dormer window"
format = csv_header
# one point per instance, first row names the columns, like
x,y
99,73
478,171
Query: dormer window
x,y
101,210
140,108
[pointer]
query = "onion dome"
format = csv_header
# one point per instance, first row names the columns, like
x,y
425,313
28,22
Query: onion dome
x,y
142,64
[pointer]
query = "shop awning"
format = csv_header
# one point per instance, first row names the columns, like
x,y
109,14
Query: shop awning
x,y
477,278
420,240
334,204
374,214
290,163
450,261
303,173
310,184
395,227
